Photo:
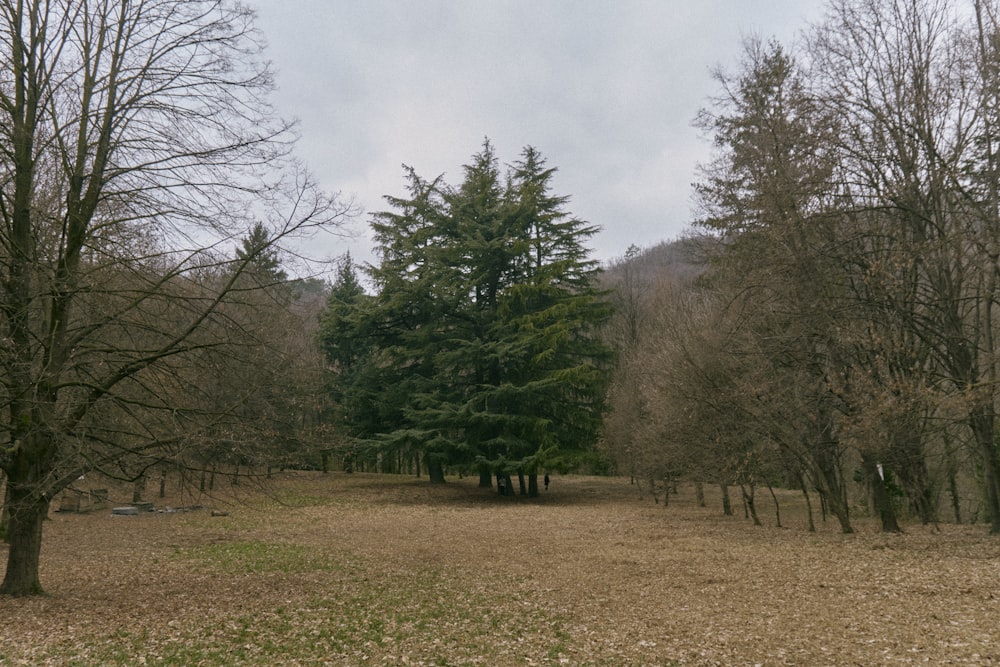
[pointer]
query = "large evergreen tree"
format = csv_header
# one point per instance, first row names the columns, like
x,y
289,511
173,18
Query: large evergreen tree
x,y
481,332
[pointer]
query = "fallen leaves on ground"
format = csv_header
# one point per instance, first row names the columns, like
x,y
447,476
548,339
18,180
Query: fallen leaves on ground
x,y
389,570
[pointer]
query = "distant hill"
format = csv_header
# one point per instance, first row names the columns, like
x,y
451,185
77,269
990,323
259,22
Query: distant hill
x,y
681,260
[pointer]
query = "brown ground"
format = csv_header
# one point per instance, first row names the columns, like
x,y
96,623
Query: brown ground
x,y
368,569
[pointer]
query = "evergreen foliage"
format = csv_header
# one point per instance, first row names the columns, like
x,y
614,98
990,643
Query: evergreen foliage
x,y
480,342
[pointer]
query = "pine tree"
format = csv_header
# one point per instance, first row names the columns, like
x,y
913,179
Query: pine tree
x,y
258,258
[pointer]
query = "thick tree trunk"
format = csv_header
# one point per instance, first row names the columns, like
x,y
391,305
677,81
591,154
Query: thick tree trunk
x,y
27,515
533,485
435,471
522,487
880,495
727,505
5,515
139,489
981,420
909,462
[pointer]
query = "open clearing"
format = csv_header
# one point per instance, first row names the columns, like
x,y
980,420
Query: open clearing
x,y
384,570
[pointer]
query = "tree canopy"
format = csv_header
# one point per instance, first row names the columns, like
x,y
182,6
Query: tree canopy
x,y
481,337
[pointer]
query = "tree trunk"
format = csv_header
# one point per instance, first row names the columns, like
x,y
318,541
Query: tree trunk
x,y
24,532
923,498
699,493
952,473
910,466
981,421
520,482
139,489
809,506
533,485
880,495
777,508
5,515
750,502
832,490
727,505
435,470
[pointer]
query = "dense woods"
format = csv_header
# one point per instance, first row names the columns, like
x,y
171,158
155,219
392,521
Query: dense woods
x,y
840,336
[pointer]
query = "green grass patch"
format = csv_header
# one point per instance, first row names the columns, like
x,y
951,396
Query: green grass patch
x,y
367,622
254,557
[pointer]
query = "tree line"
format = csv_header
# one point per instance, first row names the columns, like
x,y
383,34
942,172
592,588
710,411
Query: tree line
x,y
146,192
840,333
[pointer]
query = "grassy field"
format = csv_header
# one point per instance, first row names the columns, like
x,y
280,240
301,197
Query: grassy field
x,y
379,570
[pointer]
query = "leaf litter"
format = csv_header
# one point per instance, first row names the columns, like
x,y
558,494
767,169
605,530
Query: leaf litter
x,y
388,570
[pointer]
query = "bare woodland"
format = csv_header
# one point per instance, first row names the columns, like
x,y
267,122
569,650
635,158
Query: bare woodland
x,y
833,326
138,147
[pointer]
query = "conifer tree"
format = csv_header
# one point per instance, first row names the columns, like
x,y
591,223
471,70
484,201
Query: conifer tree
x,y
481,334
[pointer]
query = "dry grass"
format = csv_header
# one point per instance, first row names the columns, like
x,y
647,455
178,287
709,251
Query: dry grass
x,y
366,569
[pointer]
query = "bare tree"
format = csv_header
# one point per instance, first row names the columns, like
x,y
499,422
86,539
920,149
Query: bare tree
x,y
767,198
914,86
137,138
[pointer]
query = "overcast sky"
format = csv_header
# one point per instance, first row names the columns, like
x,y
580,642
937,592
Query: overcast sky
x,y
606,90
